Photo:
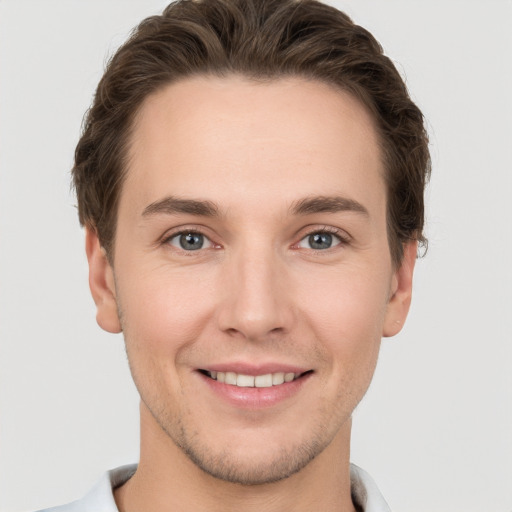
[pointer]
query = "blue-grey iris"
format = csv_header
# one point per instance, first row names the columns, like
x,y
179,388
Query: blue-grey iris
x,y
191,241
320,240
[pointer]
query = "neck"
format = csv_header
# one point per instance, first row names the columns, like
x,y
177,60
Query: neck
x,y
167,480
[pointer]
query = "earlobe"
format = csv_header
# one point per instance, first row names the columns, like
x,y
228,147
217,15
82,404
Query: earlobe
x,y
401,292
101,283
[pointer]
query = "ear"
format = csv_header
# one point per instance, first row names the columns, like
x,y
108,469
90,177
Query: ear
x,y
400,292
101,283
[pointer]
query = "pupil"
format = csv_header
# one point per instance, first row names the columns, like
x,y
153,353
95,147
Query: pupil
x,y
320,240
191,241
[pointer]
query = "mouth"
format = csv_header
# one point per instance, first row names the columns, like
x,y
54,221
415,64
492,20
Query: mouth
x,y
266,380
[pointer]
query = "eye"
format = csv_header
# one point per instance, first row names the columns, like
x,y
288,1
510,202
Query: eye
x,y
320,240
190,241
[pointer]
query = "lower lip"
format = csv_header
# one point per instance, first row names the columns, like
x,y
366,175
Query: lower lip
x,y
255,398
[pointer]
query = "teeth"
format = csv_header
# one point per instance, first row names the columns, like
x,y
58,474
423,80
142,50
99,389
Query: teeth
x,y
245,381
277,378
230,378
249,381
263,381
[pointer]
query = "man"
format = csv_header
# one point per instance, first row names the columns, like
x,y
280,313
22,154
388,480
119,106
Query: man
x,y
250,177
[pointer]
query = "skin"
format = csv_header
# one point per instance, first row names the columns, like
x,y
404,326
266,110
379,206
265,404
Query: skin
x,y
256,293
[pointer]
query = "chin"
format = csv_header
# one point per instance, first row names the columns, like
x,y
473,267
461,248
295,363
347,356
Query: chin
x,y
243,467
250,460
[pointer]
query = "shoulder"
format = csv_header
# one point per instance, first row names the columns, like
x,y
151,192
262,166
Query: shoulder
x,y
101,497
365,493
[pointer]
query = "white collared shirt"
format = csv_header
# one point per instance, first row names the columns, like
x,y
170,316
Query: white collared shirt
x,y
100,498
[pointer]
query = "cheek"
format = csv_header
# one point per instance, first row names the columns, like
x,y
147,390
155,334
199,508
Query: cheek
x,y
348,301
161,319
162,313
347,314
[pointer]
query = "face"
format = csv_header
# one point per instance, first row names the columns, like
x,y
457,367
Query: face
x,y
252,276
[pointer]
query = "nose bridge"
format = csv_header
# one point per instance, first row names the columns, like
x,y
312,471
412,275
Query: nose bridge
x,y
256,302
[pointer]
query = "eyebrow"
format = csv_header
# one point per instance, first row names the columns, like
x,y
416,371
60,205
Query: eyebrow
x,y
174,205
317,204
329,204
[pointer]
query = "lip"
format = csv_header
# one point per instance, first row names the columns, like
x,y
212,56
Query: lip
x,y
255,398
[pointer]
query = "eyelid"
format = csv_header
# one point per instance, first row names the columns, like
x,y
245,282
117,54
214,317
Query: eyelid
x,y
206,245
182,230
343,237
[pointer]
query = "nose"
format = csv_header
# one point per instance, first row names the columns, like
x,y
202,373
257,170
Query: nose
x,y
256,295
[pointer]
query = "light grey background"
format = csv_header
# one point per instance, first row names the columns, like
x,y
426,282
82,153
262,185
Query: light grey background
x,y
434,430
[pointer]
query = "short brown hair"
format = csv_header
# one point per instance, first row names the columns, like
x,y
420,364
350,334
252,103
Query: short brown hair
x,y
259,39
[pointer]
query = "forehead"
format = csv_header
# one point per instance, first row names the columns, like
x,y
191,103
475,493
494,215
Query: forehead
x,y
281,138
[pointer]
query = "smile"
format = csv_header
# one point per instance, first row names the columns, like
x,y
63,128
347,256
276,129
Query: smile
x,y
252,381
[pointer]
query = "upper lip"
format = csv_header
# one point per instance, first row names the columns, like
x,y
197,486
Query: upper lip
x,y
255,369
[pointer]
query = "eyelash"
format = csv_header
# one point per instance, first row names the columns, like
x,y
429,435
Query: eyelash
x,y
191,231
342,236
